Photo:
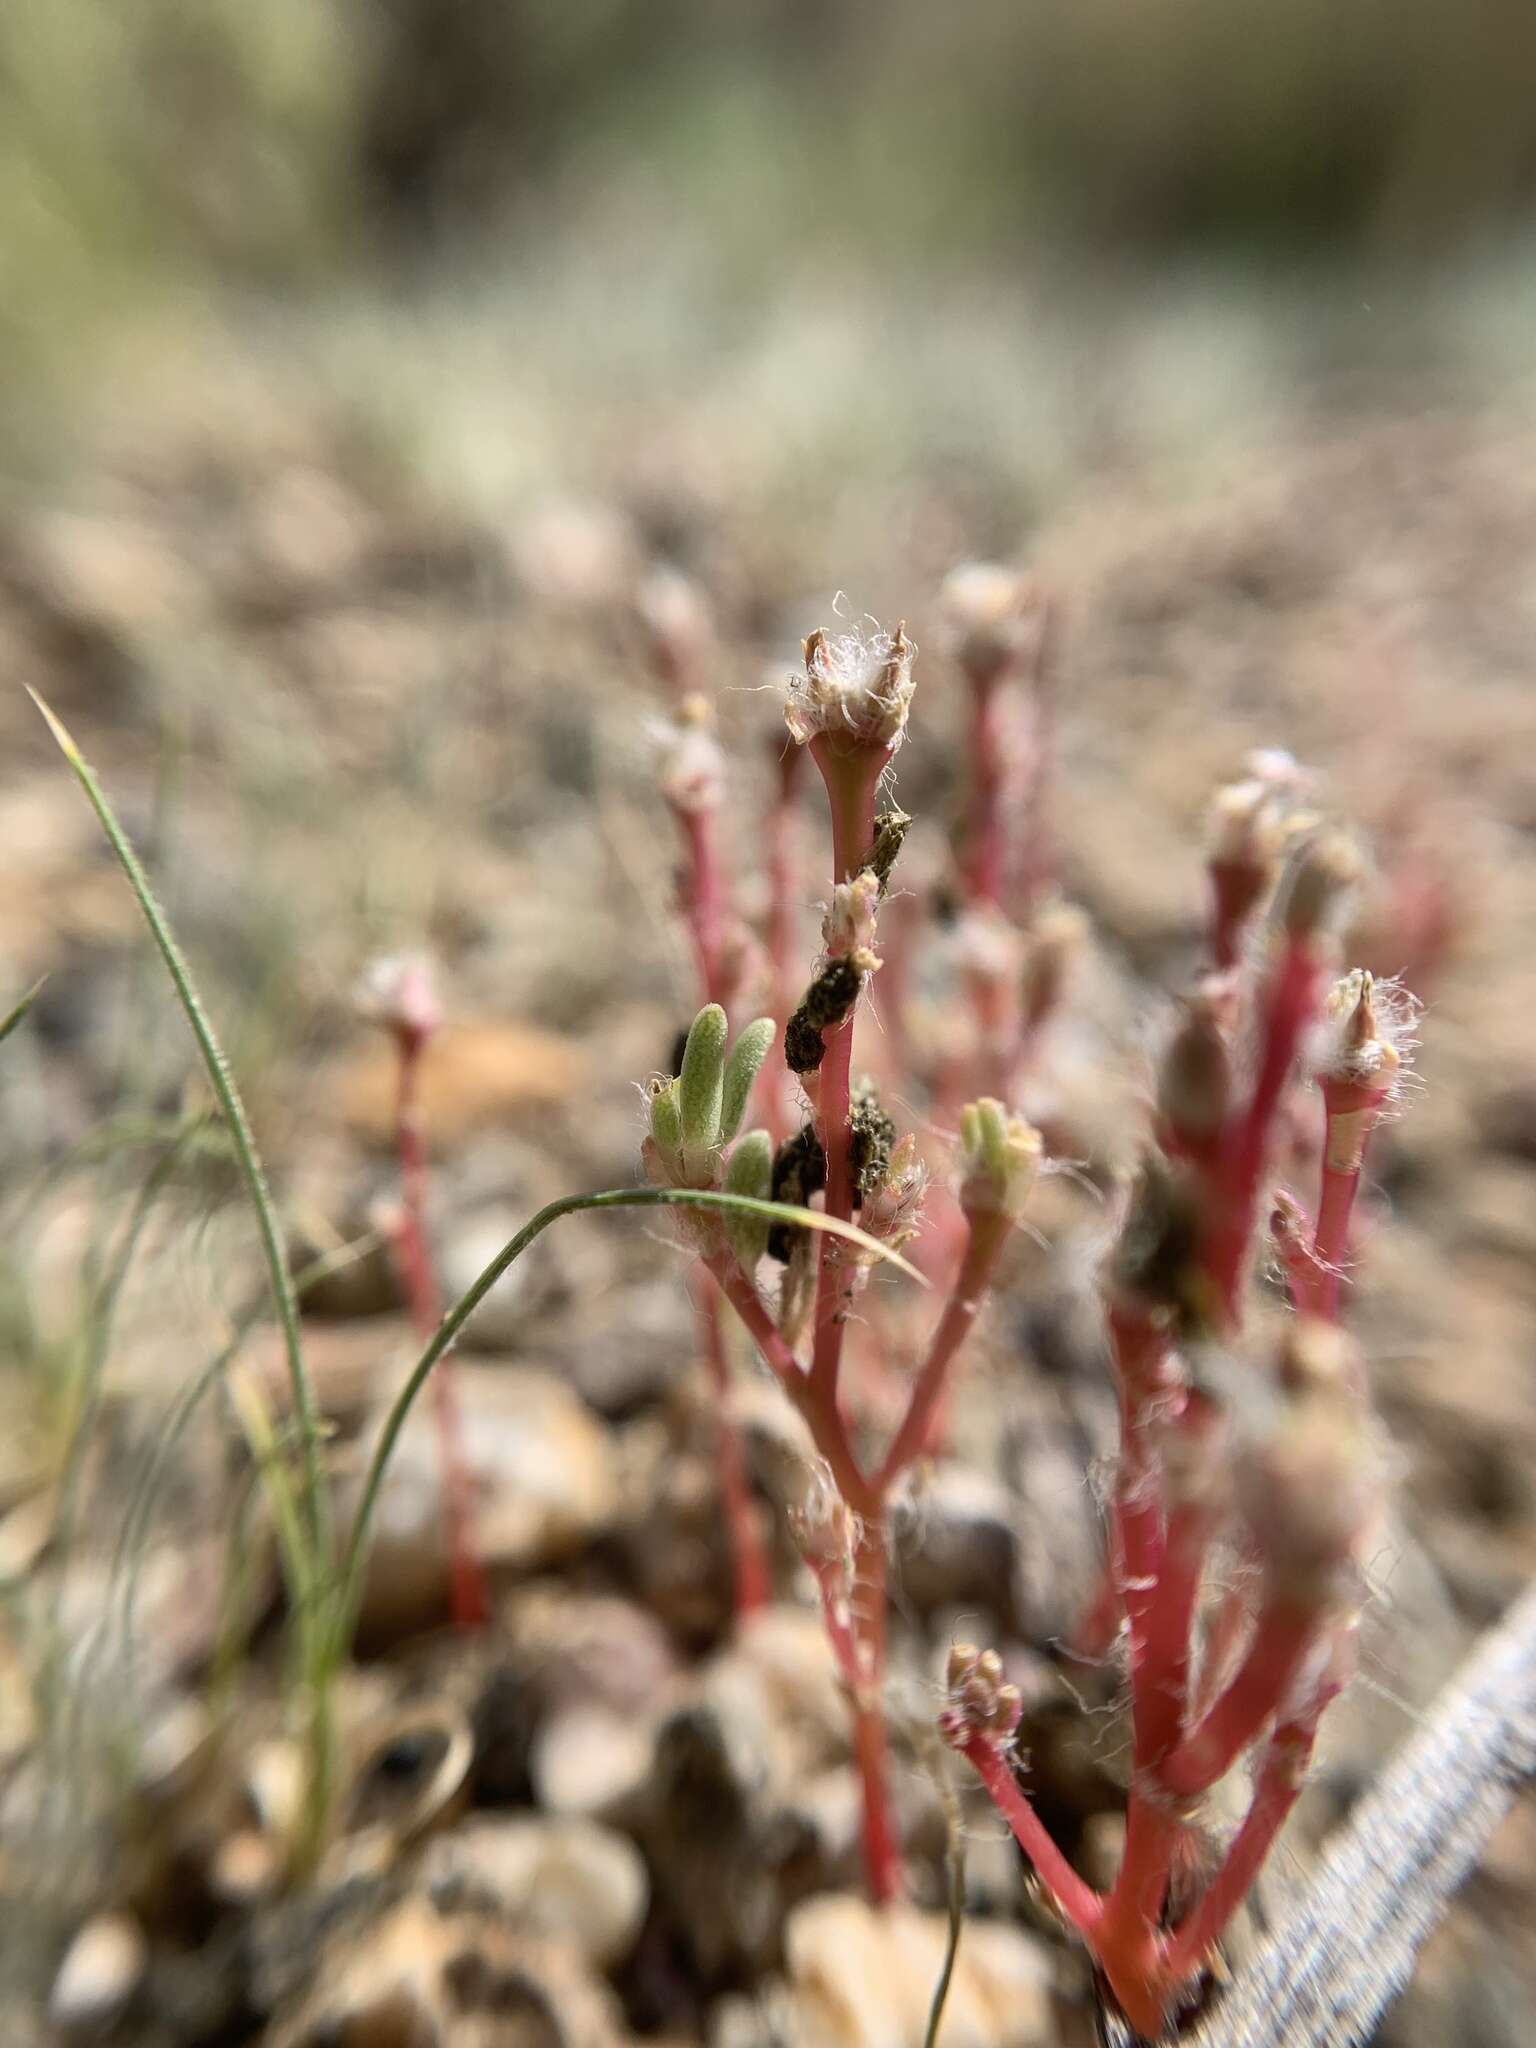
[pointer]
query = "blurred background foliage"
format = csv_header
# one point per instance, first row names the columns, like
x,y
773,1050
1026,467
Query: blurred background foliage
x,y
155,147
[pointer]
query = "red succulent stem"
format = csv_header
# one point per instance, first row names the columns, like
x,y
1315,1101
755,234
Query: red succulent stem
x,y
1140,1354
1098,1628
1078,1902
986,1236
1290,1006
752,1583
1165,1674
1308,1279
779,857
470,1601
986,852
852,777
701,892
1286,1631
882,1849
1237,889
1350,1110
1274,1794
821,1415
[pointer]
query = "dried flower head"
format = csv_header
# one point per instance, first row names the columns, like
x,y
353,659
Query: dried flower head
x,y
1368,1034
855,687
690,762
1361,1058
994,619
398,992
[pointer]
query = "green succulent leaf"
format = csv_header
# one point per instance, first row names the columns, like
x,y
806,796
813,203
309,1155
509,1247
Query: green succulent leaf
x,y
741,1070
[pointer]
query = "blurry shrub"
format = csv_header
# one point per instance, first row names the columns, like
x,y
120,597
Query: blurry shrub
x,y
145,139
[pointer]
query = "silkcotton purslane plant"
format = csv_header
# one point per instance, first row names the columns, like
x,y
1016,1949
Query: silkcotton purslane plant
x,y
847,707
1245,1487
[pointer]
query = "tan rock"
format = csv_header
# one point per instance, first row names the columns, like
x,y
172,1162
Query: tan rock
x,y
540,1468
859,1977
474,1074
568,1878
100,1972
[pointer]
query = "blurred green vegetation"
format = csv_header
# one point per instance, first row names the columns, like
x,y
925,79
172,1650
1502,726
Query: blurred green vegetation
x,y
150,146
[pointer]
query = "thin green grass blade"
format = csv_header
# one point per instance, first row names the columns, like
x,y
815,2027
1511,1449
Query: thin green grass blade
x,y
228,1095
469,1301
18,1010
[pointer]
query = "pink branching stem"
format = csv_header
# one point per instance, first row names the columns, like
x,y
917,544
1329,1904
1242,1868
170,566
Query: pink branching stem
x,y
701,891
1098,1628
986,1238
1224,1634
1140,1353
832,1586
1350,1110
1165,1674
1290,1005
1330,1246
1308,1280
821,1416
1237,889
1077,1900
867,1497
1286,1631
986,854
778,837
852,778
1275,1790
882,1851
752,1583
470,1602
1037,853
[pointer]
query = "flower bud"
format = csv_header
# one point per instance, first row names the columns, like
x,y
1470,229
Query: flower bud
x,y
1305,1489
1244,827
855,687
1194,1082
675,623
977,1701
1318,1361
999,1158
749,1172
1322,872
890,1211
1057,933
